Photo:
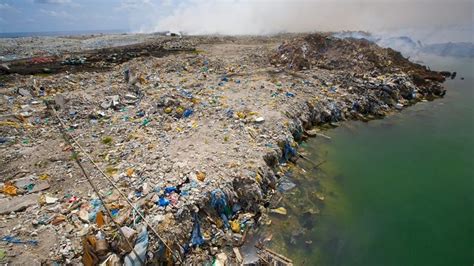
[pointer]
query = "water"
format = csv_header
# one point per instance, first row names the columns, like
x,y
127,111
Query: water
x,y
58,33
397,191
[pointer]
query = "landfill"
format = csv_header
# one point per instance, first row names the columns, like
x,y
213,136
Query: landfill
x,y
183,137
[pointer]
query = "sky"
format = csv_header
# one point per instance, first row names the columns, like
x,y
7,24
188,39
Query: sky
x,y
239,16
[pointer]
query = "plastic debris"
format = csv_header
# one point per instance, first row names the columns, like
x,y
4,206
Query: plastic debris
x,y
15,240
288,152
140,249
163,202
201,176
58,219
221,259
112,260
9,190
101,246
130,234
219,202
168,190
187,113
235,226
279,210
99,219
50,200
196,236
3,254
89,257
285,184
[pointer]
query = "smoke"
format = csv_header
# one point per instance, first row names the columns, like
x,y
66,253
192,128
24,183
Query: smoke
x,y
266,17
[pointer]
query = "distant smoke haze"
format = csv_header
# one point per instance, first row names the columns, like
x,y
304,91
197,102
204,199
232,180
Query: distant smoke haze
x,y
266,17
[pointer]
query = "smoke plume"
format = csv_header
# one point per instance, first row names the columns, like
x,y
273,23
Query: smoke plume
x,y
266,17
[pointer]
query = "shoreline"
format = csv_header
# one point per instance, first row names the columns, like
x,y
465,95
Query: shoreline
x,y
208,117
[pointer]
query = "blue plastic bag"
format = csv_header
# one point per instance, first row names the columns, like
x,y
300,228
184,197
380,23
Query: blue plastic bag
x,y
288,152
168,190
187,113
219,203
163,202
196,236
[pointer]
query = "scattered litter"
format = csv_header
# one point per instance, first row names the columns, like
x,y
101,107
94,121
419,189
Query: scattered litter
x,y
3,254
175,129
196,236
219,203
15,240
279,210
9,190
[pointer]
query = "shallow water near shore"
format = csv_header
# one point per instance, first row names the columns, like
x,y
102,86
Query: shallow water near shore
x,y
396,191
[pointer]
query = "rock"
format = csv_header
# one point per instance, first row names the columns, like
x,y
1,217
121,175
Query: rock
x,y
32,185
285,184
259,120
4,67
221,259
18,203
24,93
312,132
60,101
106,104
50,200
238,255
111,101
130,97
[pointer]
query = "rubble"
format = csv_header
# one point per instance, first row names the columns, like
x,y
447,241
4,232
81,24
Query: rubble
x,y
193,141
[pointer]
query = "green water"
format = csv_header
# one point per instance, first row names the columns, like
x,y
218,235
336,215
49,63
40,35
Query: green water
x,y
397,191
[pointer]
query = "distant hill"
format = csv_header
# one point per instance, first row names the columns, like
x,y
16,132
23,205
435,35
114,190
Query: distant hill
x,y
459,49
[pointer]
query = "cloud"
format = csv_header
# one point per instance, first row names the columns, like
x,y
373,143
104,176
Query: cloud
x,y
134,4
56,14
5,6
55,2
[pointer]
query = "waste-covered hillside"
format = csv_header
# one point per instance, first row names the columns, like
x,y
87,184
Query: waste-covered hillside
x,y
186,139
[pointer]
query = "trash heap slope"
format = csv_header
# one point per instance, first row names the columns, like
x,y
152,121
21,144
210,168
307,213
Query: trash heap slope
x,y
198,141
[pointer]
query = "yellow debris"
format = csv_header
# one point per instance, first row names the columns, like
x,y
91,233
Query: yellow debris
x,y
180,110
280,210
9,124
9,190
200,176
235,226
258,178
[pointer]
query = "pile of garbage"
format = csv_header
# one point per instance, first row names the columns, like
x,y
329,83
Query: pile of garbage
x,y
184,151
355,55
